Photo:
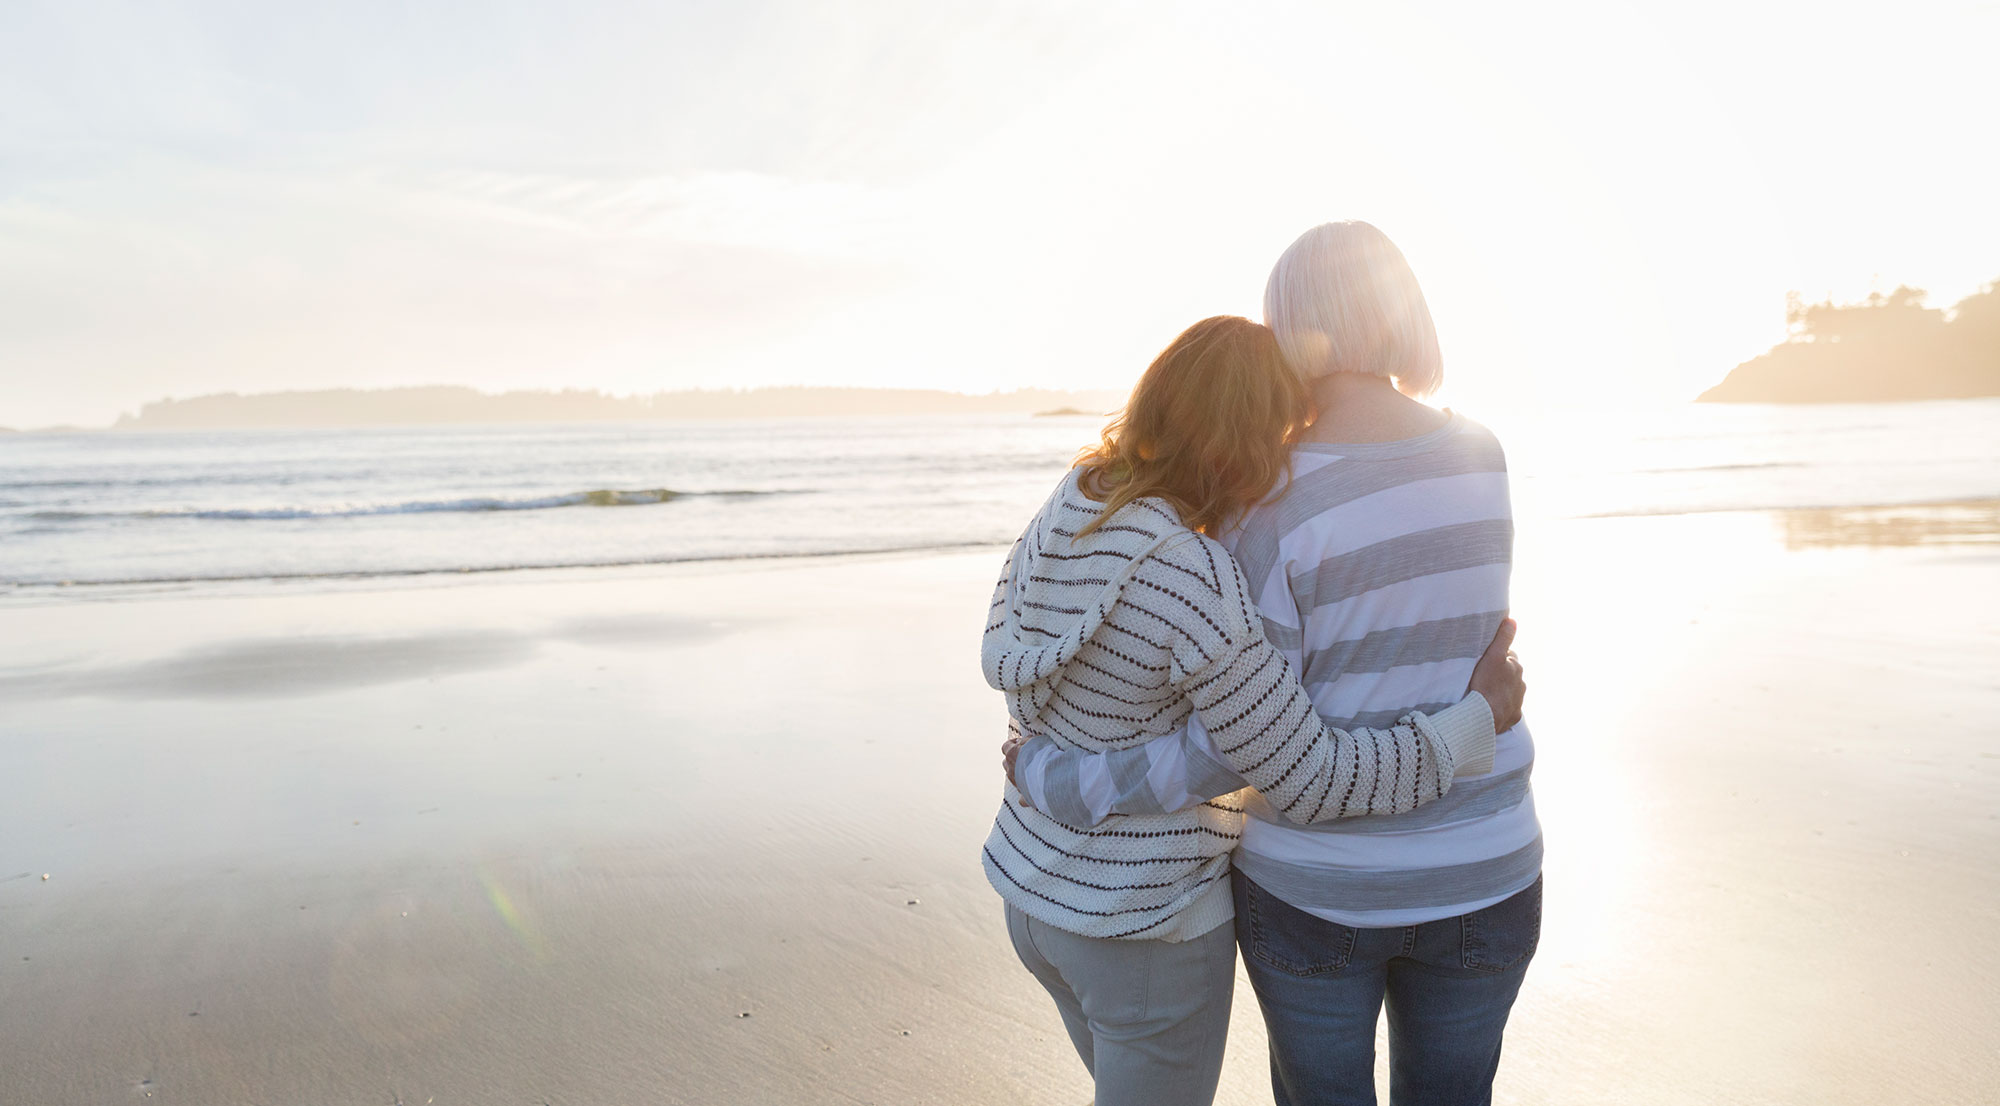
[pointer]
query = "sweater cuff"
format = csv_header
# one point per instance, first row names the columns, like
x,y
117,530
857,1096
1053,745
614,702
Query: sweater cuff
x,y
1467,729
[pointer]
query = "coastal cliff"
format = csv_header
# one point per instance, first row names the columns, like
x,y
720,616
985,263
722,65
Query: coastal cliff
x,y
445,405
1883,349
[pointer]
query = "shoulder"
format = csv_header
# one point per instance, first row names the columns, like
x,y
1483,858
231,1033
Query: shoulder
x,y
1476,437
1067,503
1196,577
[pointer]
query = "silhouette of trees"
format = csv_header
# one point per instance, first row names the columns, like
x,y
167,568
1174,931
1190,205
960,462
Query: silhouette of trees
x,y
1898,316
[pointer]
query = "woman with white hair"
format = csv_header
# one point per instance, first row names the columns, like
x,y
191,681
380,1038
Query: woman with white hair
x,y
1381,572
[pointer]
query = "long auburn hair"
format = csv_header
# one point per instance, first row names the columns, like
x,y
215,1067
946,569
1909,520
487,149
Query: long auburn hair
x,y
1208,428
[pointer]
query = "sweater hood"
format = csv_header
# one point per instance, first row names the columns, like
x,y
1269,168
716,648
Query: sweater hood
x,y
1072,584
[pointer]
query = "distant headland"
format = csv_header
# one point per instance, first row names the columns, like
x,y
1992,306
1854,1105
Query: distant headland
x,y
1883,349
434,405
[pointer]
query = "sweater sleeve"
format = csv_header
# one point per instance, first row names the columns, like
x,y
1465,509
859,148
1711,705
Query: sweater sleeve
x,y
1263,724
1184,769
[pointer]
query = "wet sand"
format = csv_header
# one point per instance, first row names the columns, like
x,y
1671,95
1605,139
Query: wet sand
x,y
551,837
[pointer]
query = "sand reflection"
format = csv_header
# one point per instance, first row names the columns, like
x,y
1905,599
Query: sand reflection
x,y
1957,522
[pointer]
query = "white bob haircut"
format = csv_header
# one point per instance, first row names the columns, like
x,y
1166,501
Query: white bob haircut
x,y
1342,300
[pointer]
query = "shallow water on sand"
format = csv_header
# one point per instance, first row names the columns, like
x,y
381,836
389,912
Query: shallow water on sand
x,y
554,835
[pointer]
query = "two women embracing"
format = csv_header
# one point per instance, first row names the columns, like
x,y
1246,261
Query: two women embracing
x,y
1254,649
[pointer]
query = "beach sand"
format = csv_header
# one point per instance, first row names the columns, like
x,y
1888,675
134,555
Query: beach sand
x,y
710,834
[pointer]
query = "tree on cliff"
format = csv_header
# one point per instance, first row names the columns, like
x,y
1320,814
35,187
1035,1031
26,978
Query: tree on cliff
x,y
1887,347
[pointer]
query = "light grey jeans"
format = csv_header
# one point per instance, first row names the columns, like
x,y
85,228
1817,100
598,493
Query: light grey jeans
x,y
1149,1018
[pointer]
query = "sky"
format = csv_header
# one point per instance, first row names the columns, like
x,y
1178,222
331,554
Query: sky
x,y
1606,204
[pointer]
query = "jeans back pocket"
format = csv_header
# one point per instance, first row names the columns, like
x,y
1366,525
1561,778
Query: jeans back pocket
x,y
1504,934
1281,935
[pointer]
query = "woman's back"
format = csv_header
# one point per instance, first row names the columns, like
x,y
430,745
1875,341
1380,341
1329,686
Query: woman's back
x,y
1105,636
1082,664
1381,572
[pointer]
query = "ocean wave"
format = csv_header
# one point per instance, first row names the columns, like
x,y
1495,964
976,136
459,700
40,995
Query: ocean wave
x,y
597,497
1743,467
199,479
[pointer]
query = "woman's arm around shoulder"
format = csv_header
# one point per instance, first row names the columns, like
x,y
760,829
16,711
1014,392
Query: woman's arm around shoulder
x,y
1261,721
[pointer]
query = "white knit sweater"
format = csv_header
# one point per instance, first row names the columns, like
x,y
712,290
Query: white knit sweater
x,y
1108,641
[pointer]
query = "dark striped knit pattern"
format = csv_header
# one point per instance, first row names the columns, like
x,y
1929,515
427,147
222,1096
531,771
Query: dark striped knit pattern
x,y
1106,642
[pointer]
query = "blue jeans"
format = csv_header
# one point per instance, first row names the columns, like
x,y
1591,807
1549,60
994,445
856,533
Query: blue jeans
x,y
1448,985
1148,1018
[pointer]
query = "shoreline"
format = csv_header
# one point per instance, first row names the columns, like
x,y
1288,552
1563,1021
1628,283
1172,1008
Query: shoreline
x,y
26,594
419,575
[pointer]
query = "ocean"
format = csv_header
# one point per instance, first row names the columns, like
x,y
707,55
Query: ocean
x,y
81,513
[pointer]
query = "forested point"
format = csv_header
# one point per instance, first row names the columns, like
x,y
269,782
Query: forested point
x,y
1887,347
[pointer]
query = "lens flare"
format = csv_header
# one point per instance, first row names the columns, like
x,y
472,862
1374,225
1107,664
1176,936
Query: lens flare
x,y
510,915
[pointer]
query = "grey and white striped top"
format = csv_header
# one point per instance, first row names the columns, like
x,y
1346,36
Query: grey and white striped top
x,y
1105,641
1381,571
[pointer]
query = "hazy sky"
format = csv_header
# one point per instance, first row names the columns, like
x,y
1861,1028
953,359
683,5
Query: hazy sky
x,y
1602,202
